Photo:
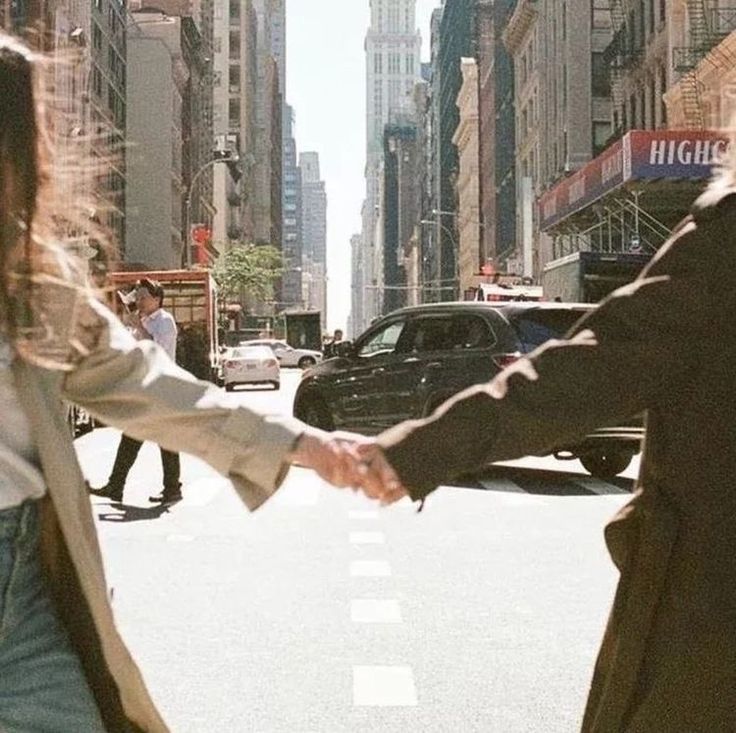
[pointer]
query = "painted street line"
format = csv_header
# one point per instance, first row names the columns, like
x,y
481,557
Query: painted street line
x,y
383,686
370,569
371,611
367,538
362,514
506,486
597,486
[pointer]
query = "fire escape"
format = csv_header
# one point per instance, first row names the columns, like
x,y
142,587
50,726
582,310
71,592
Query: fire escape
x,y
615,57
707,27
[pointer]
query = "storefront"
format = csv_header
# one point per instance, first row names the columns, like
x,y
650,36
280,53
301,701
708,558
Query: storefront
x,y
630,197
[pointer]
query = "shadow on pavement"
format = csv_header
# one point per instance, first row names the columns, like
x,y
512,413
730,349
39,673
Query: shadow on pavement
x,y
132,513
544,482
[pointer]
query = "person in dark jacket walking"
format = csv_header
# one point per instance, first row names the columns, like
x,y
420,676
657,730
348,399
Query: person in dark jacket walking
x,y
664,344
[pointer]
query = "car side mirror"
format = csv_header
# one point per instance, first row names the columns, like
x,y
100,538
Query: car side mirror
x,y
344,349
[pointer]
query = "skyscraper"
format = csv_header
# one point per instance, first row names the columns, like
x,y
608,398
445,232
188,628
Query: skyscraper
x,y
392,49
314,232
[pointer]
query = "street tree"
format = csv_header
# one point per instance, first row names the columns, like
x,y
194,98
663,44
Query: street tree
x,y
248,270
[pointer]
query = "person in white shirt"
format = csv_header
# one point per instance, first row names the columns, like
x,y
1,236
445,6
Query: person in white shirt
x,y
150,321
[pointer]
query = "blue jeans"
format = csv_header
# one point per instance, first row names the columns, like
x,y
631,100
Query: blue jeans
x,y
42,686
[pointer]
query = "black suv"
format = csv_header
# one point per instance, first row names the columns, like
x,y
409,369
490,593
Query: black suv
x,y
410,361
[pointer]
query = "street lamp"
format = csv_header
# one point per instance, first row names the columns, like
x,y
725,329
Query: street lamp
x,y
450,235
221,156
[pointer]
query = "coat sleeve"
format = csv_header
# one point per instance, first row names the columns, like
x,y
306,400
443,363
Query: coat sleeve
x,y
134,386
616,363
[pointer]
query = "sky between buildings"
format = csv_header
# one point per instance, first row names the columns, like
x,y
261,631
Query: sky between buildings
x,y
325,83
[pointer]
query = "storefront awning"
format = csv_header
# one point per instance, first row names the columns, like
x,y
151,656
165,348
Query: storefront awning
x,y
667,157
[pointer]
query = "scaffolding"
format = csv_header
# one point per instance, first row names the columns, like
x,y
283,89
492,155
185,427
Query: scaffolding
x,y
621,225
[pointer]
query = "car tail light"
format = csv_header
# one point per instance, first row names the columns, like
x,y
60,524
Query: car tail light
x,y
270,363
231,364
504,360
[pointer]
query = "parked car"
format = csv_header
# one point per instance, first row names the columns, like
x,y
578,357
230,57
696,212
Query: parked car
x,y
287,355
410,361
250,365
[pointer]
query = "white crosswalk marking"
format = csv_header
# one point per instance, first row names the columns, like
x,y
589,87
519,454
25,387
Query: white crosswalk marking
x,y
370,569
373,611
364,514
598,486
501,485
367,538
383,686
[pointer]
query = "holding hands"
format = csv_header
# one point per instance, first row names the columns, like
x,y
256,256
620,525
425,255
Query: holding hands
x,y
349,459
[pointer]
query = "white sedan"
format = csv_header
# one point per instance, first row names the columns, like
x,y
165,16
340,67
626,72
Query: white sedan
x,y
250,365
287,355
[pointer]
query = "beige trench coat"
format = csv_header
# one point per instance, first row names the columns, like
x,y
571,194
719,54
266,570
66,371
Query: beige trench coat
x,y
133,386
665,344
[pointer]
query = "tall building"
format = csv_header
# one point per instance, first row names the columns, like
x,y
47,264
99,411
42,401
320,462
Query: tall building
x,y
562,109
156,84
496,133
268,166
314,232
234,121
291,282
401,199
467,141
392,51
457,39
357,286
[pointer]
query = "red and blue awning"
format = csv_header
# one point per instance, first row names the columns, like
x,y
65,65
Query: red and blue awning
x,y
640,155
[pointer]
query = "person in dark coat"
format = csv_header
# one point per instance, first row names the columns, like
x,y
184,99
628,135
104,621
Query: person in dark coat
x,y
664,344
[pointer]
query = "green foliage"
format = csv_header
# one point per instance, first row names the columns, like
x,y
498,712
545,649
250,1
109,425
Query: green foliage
x,y
250,269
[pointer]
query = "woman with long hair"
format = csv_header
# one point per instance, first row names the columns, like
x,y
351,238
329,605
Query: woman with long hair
x,y
63,666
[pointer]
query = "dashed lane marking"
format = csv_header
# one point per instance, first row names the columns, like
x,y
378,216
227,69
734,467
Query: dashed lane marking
x,y
362,514
383,686
367,538
370,569
373,611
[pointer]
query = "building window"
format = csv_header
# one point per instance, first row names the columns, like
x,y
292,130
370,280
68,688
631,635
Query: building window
x,y
234,114
96,37
652,23
234,78
378,63
601,133
234,44
601,76
410,63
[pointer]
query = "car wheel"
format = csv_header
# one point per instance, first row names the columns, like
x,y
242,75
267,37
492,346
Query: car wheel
x,y
276,385
314,412
306,361
606,464
229,387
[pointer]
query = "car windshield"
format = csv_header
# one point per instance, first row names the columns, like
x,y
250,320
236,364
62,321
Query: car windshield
x,y
250,352
535,327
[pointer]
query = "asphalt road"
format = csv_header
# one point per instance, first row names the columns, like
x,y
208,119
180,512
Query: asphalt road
x,y
320,612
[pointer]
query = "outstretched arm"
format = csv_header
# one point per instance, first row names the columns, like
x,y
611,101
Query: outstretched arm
x,y
638,345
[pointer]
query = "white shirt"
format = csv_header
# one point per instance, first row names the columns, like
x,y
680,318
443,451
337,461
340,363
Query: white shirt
x,y
20,477
162,327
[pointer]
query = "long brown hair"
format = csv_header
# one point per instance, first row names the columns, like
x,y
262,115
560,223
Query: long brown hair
x,y
42,283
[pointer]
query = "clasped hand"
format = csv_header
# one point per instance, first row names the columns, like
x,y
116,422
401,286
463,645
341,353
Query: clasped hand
x,y
349,459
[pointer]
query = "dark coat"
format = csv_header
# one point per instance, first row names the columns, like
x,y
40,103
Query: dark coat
x,y
666,344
